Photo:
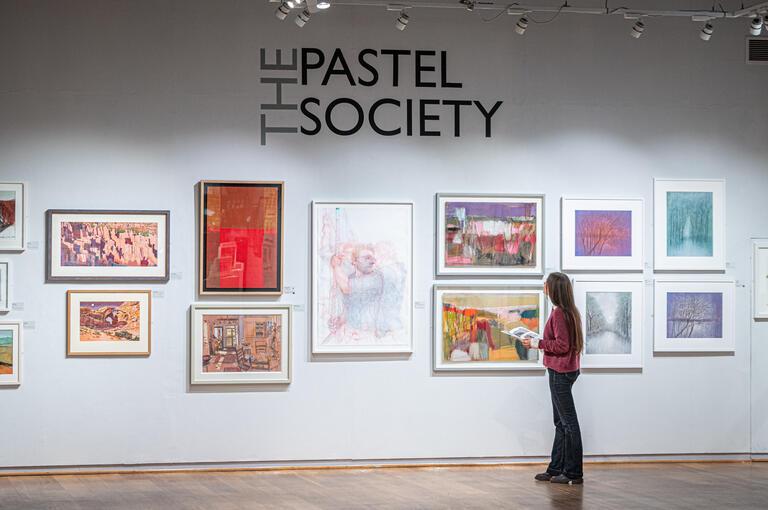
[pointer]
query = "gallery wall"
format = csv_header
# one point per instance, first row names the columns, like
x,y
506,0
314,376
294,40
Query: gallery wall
x,y
127,105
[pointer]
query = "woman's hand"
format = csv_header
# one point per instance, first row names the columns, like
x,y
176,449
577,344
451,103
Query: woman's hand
x,y
526,343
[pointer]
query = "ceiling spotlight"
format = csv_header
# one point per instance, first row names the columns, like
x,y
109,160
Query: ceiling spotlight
x,y
323,4
282,12
302,18
468,4
706,31
756,26
293,3
637,29
402,21
522,25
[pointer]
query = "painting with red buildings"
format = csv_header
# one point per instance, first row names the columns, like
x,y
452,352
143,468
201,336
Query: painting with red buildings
x,y
109,244
242,343
7,211
241,226
109,321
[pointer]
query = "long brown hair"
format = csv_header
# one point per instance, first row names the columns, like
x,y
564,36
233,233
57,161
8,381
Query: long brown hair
x,y
560,292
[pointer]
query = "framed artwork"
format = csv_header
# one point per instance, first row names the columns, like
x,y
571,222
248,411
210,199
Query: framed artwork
x,y
612,321
107,246
760,278
469,321
241,238
362,277
5,286
604,234
109,322
240,344
489,235
689,224
12,216
694,316
10,353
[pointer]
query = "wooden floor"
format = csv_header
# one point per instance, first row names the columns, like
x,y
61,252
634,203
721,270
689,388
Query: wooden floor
x,y
722,486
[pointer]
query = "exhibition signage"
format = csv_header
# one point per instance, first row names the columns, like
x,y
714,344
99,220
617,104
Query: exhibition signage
x,y
313,67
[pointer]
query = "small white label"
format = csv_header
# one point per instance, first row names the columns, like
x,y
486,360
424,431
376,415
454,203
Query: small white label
x,y
289,290
177,276
649,282
29,324
158,294
33,245
17,307
298,308
647,265
729,265
740,283
419,305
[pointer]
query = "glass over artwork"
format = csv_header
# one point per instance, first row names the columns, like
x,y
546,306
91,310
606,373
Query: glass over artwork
x,y
694,315
107,245
6,351
10,353
11,216
603,233
489,234
241,236
689,224
362,267
470,325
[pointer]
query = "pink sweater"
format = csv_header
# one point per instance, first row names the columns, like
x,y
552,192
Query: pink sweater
x,y
559,354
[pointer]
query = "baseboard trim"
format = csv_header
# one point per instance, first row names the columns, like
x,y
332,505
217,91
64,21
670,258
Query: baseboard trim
x,y
480,462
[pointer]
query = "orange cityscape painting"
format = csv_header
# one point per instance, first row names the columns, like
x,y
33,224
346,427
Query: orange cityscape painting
x,y
117,321
109,244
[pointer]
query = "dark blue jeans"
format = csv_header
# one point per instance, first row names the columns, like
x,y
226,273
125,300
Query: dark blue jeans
x,y
566,450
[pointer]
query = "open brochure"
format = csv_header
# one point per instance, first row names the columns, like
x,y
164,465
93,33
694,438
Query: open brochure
x,y
522,333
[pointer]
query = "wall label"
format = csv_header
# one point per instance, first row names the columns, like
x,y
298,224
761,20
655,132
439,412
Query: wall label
x,y
314,67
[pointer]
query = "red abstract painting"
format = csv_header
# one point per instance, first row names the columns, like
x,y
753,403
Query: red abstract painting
x,y
241,232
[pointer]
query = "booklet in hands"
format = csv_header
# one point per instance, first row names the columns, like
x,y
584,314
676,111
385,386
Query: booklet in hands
x,y
522,333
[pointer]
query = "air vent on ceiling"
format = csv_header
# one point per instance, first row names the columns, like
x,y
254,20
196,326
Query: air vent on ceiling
x,y
757,50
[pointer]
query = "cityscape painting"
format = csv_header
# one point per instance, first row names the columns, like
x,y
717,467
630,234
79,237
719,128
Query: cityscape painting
x,y
241,344
604,234
472,326
241,238
104,322
489,234
11,216
107,246
10,353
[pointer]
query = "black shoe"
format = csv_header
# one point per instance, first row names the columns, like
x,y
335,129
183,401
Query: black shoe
x,y
566,481
543,477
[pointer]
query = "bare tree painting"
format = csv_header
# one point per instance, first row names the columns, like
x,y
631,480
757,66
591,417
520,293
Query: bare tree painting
x,y
603,233
694,315
609,323
689,224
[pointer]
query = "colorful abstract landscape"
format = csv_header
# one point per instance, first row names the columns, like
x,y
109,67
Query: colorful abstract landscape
x,y
689,224
496,234
109,244
242,343
6,352
694,315
609,323
603,233
110,321
472,326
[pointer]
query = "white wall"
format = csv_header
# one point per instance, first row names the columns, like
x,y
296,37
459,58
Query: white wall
x,y
128,104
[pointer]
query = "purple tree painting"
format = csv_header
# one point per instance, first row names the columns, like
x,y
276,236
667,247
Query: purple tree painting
x,y
603,233
694,315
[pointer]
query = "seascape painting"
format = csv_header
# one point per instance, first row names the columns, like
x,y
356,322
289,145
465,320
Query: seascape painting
x,y
470,326
694,315
241,343
362,267
689,224
608,318
6,351
603,233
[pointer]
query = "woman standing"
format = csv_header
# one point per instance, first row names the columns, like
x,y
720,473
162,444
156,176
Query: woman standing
x,y
562,343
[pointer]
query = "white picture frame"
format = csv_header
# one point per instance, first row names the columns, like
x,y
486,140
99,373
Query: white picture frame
x,y
13,359
622,216
382,234
253,367
6,287
760,278
441,294
696,324
13,233
442,201
603,290
678,254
